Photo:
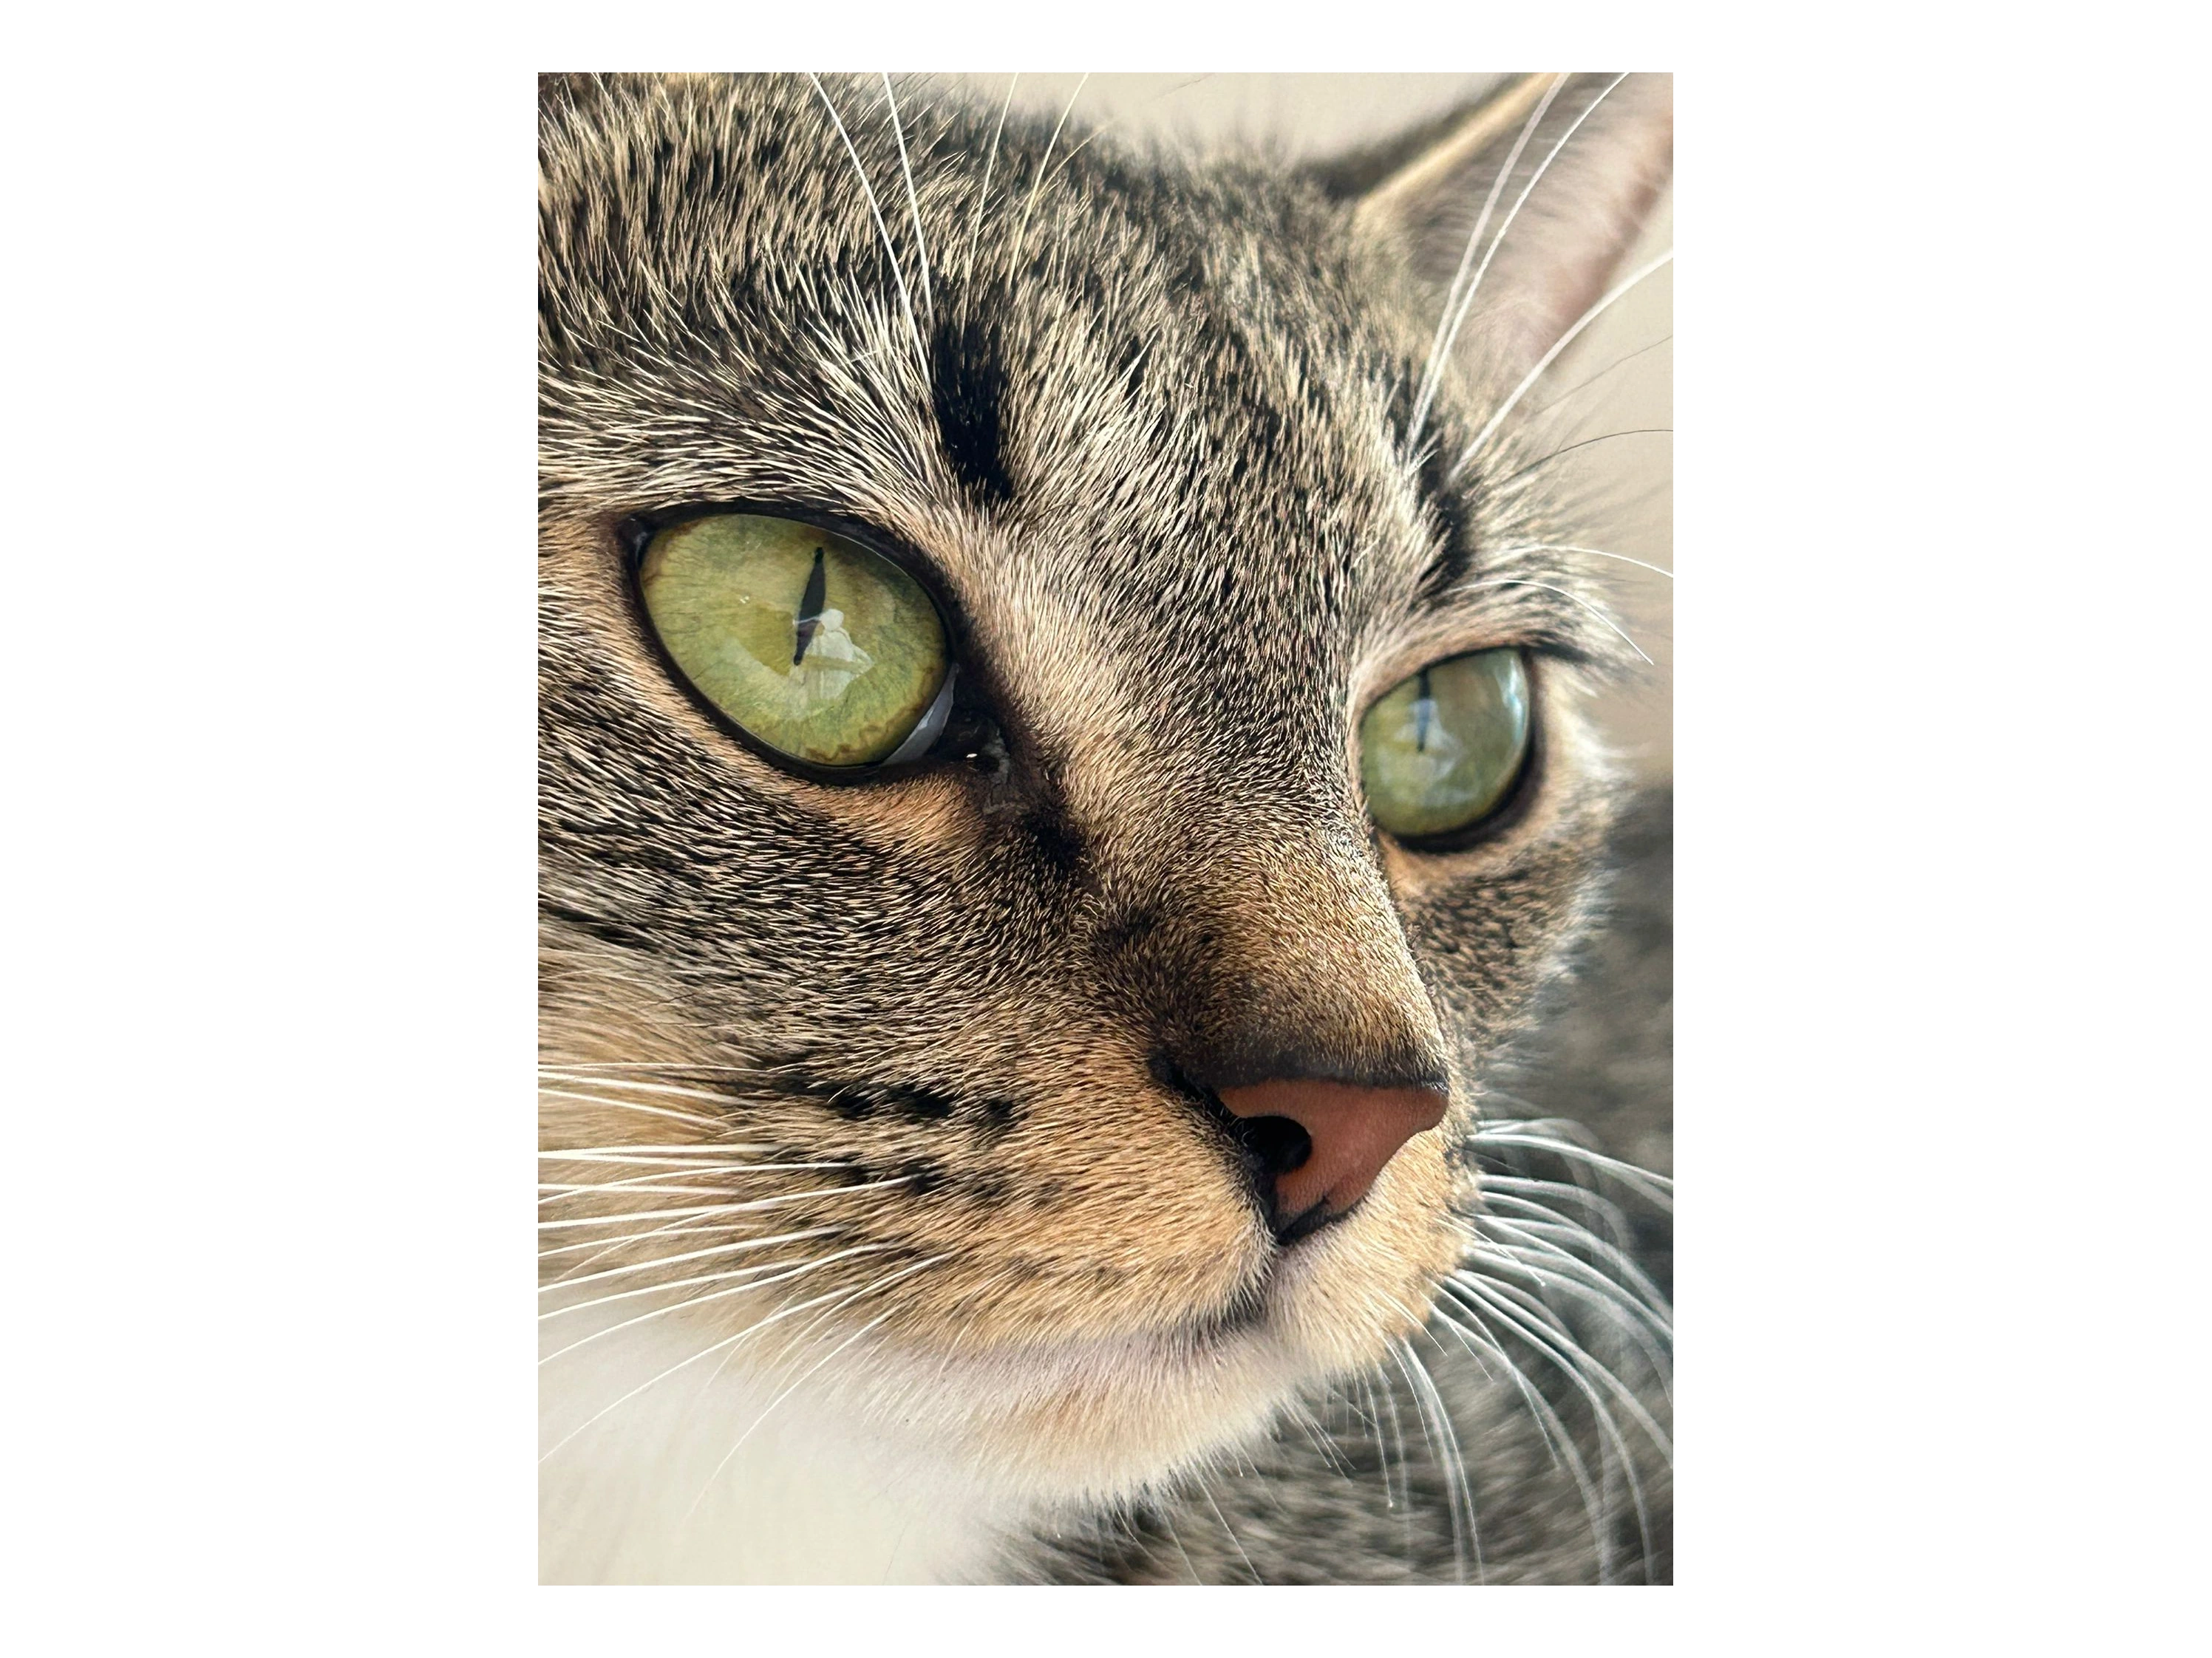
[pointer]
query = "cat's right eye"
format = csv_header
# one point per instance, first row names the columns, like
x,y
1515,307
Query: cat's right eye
x,y
814,646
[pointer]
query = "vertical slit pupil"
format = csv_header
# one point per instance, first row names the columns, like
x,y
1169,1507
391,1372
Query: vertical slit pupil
x,y
810,608
1424,715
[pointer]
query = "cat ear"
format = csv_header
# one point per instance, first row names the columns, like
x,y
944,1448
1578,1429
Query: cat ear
x,y
1592,152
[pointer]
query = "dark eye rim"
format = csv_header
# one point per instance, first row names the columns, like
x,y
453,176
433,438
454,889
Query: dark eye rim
x,y
1513,806
634,534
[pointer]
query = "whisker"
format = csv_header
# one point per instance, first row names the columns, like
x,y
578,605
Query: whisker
x,y
1639,1291
1573,1369
1021,231
780,1397
748,1207
1656,1188
897,272
1398,1434
1585,384
1458,1494
728,1341
683,1155
1594,552
982,195
1557,1440
1516,581
786,1277
559,1191
1466,300
913,204
1653,1353
1375,1428
570,1280
1509,1193
1584,443
1100,131
691,1117
666,1067
1581,1362
1623,1314
787,1269
670,1090
605,1247
1552,356
1448,321
1206,1490
1597,1204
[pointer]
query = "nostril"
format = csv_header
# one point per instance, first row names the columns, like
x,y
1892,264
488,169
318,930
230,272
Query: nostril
x,y
1277,1144
1322,1143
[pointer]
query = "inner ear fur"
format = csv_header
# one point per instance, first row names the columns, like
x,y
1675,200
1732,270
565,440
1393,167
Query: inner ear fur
x,y
1423,192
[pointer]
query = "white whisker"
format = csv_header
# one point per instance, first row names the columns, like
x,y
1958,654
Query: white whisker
x,y
1448,320
1460,1495
1585,384
982,195
1516,581
1657,1188
1552,356
898,274
1554,1431
749,1206
570,1280
1466,299
718,1346
1578,1369
878,1285
641,1109
1230,1532
800,1270
766,1272
1593,552
912,201
1102,130
1037,184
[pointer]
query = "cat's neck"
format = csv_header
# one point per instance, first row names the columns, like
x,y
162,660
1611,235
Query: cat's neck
x,y
719,1477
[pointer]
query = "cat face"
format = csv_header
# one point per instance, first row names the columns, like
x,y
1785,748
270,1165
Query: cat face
x,y
923,1075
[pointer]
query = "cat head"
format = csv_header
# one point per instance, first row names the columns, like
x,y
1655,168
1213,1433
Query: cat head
x,y
1064,1069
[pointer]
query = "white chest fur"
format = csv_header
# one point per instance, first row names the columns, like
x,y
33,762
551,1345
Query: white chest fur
x,y
715,1476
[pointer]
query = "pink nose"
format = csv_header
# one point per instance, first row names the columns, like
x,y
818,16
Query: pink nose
x,y
1353,1132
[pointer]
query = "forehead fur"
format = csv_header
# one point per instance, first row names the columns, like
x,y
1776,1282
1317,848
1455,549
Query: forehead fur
x,y
1167,383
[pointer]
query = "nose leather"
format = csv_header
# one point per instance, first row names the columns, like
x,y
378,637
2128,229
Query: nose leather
x,y
1355,1131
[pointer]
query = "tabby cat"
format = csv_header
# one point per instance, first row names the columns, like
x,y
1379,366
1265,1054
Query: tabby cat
x,y
1065,790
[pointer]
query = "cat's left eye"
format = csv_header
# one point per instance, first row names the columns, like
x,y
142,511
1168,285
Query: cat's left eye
x,y
1443,751
812,644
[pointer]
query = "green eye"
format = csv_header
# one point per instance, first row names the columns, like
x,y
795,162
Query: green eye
x,y
1442,751
823,650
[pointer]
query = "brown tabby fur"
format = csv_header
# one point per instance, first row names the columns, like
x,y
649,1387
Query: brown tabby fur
x,y
1146,432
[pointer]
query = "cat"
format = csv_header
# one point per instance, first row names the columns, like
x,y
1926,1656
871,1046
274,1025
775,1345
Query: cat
x,y
1066,812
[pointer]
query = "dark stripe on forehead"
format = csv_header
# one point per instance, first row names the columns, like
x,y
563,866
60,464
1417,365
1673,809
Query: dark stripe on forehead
x,y
967,389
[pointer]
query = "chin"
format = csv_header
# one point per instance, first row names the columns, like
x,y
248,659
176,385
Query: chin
x,y
1079,1422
